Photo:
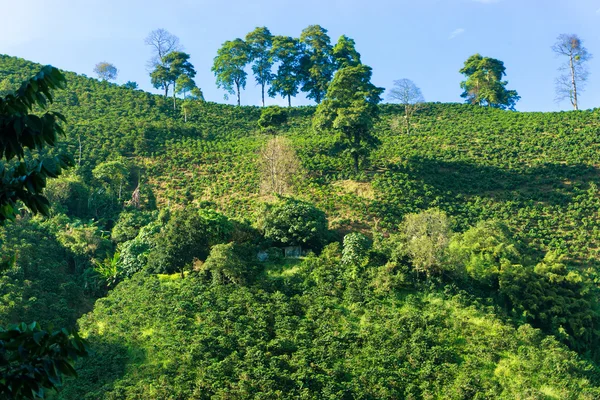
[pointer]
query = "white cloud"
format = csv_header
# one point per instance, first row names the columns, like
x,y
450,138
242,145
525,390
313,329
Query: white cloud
x,y
457,33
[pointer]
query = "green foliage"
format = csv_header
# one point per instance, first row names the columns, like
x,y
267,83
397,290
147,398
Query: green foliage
x,y
552,298
484,85
287,52
293,222
175,68
186,338
113,174
260,43
426,236
483,250
349,109
130,85
314,328
108,269
229,66
344,53
271,118
34,361
228,263
129,224
20,129
356,248
316,64
188,235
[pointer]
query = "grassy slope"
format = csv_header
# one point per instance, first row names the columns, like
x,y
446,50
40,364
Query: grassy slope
x,y
535,171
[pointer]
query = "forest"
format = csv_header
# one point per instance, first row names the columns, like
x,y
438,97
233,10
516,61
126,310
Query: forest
x,y
450,255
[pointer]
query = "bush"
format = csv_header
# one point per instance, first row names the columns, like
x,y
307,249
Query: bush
x,y
188,235
226,265
295,223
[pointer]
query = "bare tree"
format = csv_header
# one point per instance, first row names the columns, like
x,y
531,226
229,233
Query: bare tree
x,y
162,42
574,71
106,71
408,94
279,166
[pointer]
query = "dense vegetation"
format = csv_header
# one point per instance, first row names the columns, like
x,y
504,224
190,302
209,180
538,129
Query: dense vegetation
x,y
469,266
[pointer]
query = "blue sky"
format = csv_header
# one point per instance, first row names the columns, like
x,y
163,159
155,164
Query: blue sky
x,y
423,40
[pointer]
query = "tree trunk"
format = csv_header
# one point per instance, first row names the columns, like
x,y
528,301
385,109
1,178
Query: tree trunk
x,y
407,119
289,100
166,90
174,99
263,94
573,82
238,92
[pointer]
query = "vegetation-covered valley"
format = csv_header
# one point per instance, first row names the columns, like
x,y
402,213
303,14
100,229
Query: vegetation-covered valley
x,y
460,262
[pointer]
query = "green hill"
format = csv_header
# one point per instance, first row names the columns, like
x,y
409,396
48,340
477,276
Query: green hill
x,y
319,327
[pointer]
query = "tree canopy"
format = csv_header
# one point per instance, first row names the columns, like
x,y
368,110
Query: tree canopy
x,y
484,85
349,109
229,66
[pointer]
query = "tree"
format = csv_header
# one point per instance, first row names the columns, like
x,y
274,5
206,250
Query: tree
x,y
106,71
271,118
287,52
188,235
484,85
345,54
113,174
279,167
349,109
175,67
32,360
426,237
483,250
229,66
295,223
131,85
226,264
409,95
162,43
574,71
260,43
316,64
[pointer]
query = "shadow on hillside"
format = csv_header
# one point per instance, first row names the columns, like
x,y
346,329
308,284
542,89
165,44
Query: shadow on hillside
x,y
548,183
105,366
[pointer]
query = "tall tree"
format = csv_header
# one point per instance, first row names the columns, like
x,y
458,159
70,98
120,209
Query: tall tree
x,y
229,66
349,108
162,43
174,65
574,71
106,71
316,65
484,85
345,54
409,95
260,43
286,51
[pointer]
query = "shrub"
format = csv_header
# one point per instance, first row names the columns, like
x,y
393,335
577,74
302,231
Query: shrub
x,y
295,223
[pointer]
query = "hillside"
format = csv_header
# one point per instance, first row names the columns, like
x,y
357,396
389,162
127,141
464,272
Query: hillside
x,y
320,327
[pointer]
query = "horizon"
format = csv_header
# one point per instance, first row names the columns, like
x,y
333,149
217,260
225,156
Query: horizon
x,y
453,35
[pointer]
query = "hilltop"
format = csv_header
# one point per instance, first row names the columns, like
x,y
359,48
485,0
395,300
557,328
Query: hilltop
x,y
315,328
